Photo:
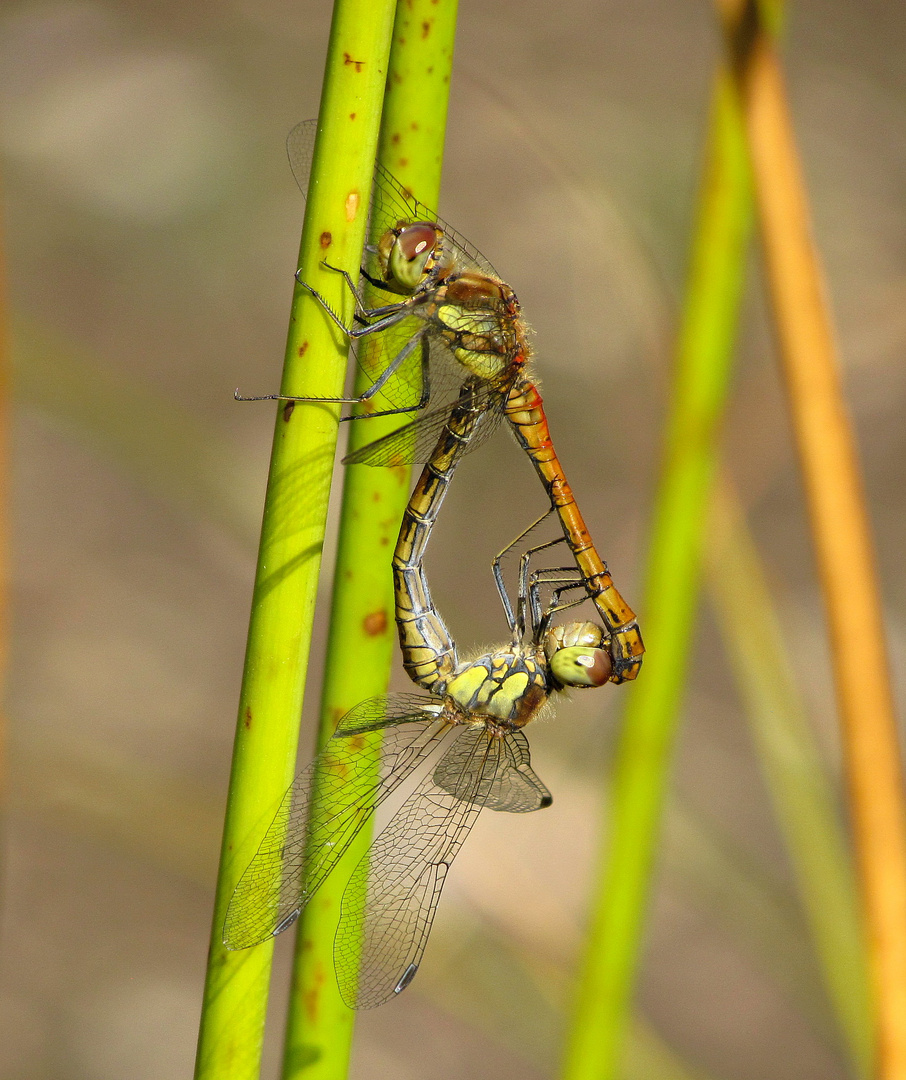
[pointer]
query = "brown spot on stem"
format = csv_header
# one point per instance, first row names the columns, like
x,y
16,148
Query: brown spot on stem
x,y
426,29
358,64
303,348
247,719
313,995
326,239
375,623
352,116
288,410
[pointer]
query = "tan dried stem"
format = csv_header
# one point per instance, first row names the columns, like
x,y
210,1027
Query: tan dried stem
x,y
838,517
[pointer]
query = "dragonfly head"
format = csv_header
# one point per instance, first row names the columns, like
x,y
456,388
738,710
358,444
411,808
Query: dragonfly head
x,y
408,253
576,655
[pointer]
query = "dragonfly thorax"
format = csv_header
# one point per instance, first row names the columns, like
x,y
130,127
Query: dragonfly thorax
x,y
479,321
510,685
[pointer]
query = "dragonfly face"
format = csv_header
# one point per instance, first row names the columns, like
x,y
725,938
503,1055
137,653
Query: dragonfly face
x,y
409,256
576,655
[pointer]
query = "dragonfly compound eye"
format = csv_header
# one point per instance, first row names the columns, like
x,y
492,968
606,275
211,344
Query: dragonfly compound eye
x,y
578,666
410,254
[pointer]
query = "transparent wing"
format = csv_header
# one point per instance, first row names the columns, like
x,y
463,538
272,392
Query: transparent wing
x,y
514,787
391,202
415,442
377,745
388,906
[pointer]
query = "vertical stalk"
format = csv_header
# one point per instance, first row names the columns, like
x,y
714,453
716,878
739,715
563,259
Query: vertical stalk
x,y
361,637
702,376
803,795
4,503
235,1000
839,521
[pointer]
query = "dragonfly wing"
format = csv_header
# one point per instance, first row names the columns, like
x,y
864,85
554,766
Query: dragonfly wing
x,y
300,144
388,906
513,786
391,201
376,352
375,749
415,442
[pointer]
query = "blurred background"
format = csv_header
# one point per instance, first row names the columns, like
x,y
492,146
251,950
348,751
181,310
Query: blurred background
x,y
151,225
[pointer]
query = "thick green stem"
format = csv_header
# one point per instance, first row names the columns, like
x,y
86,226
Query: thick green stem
x,y
362,632
295,513
704,363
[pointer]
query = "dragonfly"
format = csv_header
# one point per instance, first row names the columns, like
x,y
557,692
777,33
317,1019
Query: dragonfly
x,y
462,745
453,312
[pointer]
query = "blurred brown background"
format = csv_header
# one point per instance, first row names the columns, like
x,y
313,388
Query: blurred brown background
x,y
151,227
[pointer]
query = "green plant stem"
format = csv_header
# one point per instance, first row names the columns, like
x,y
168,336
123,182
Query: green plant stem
x,y
235,1001
702,377
803,796
362,630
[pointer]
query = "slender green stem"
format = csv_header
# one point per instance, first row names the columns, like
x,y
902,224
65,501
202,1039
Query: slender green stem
x,y
802,794
235,1001
641,776
361,637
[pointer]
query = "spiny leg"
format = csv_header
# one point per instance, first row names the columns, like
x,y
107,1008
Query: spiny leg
x,y
498,573
554,605
416,341
526,600
567,577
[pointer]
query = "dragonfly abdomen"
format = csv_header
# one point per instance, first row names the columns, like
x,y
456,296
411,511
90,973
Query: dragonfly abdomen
x,y
429,654
524,409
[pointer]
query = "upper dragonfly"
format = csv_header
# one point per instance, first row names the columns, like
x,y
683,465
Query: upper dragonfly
x,y
465,743
456,313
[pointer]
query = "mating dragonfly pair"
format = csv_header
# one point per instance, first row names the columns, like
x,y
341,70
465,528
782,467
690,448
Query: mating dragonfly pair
x,y
464,744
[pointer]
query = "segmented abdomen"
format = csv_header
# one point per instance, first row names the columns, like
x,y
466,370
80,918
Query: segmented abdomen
x,y
429,654
525,411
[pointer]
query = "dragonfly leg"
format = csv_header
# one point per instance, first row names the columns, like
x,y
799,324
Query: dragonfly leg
x,y
363,313
527,599
416,341
498,572
360,310
384,316
554,606
420,404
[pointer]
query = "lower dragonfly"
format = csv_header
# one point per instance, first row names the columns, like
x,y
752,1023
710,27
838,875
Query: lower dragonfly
x,y
464,744
456,310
